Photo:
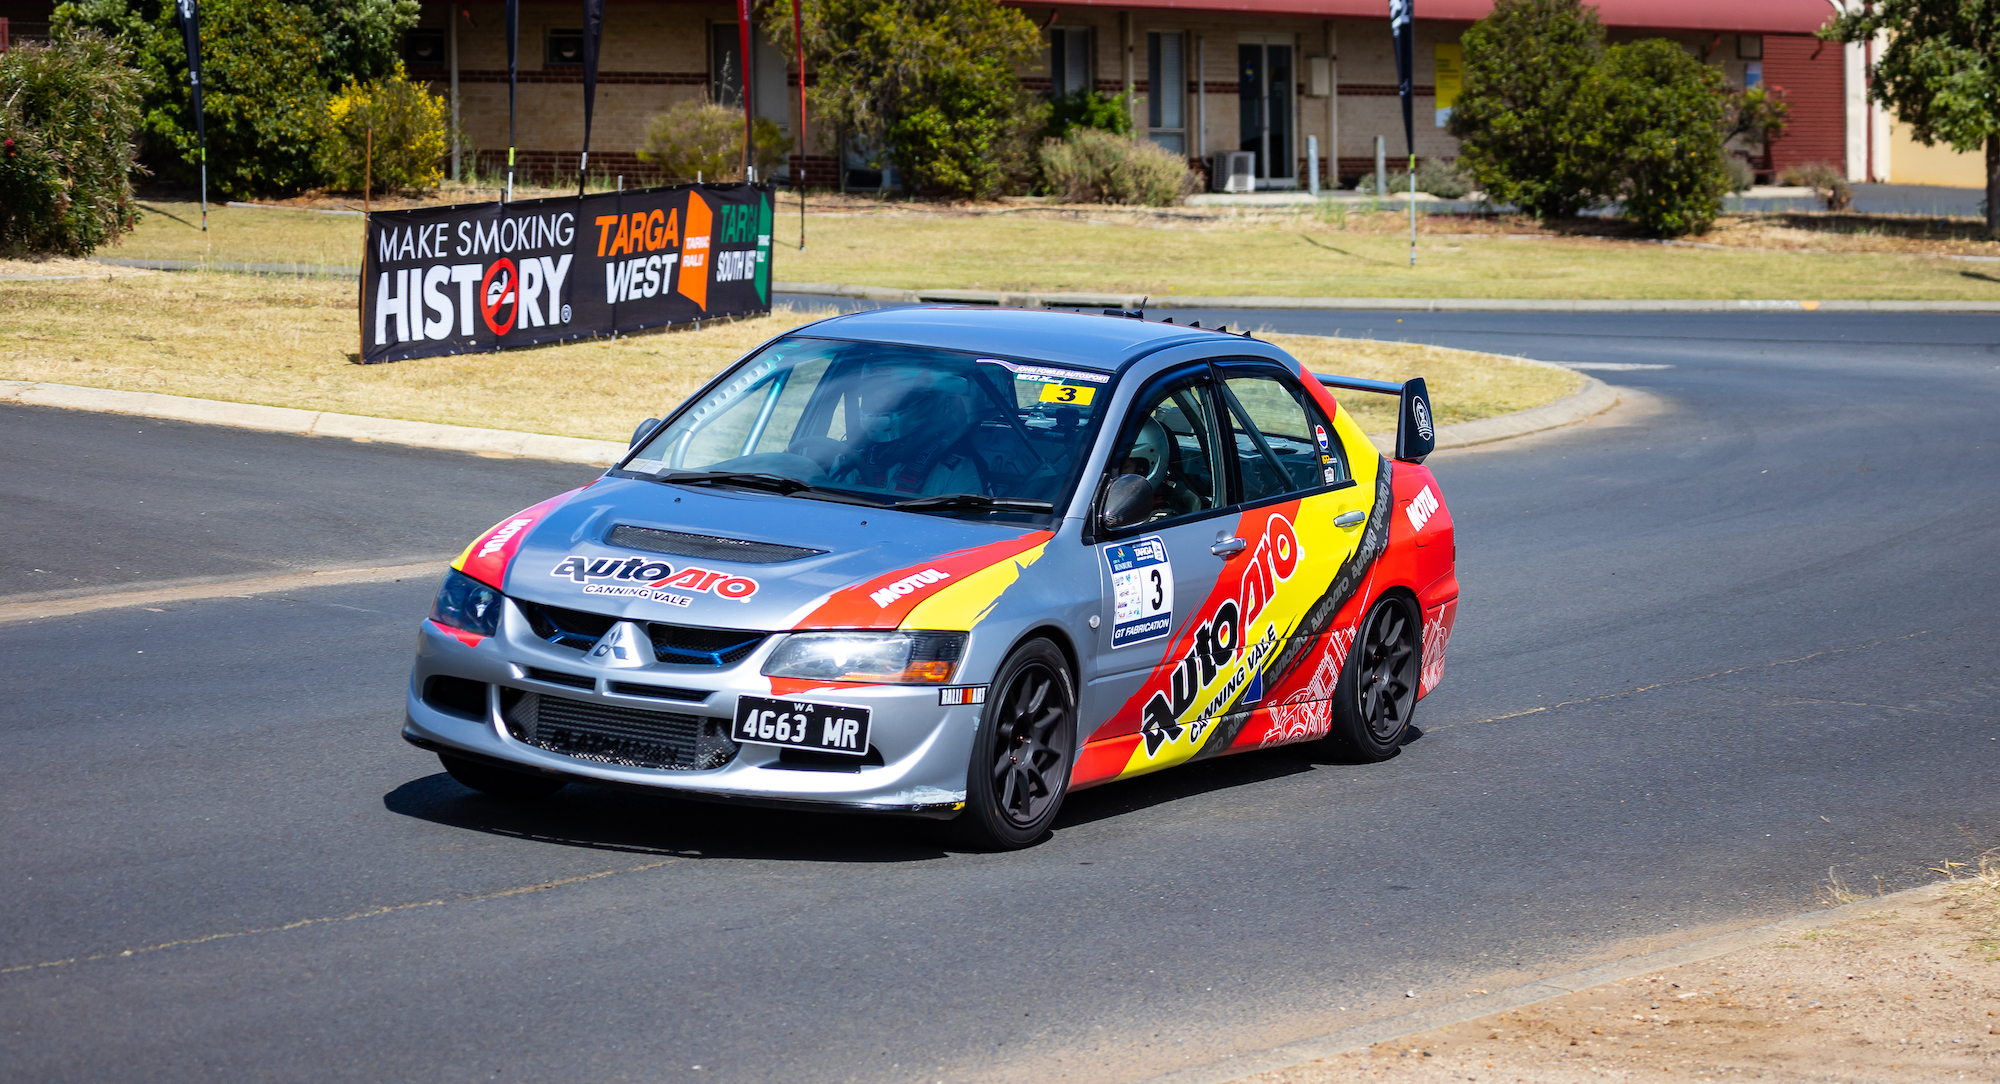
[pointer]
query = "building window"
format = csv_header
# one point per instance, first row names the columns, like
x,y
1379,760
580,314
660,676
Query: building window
x,y
1749,46
565,49
1071,52
1166,89
725,65
423,46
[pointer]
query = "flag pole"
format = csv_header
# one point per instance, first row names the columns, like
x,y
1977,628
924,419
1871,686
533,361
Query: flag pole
x,y
799,41
743,36
191,38
513,80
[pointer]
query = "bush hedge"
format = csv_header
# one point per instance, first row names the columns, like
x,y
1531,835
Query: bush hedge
x,y
410,135
67,115
1096,166
1655,126
701,139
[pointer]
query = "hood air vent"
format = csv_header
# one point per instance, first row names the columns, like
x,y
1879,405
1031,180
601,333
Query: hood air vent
x,y
704,546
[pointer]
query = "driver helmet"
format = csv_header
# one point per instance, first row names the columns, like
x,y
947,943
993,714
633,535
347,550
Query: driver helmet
x,y
903,402
1151,447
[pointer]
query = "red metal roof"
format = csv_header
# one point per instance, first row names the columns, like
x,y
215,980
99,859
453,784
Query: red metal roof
x,y
1732,16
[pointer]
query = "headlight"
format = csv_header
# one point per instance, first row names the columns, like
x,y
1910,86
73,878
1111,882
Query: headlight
x,y
894,658
466,604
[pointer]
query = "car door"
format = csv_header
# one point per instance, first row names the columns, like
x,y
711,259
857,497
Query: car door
x,y
1303,519
1156,577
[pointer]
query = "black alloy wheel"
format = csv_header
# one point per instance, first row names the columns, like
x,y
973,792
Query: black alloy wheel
x,y
499,782
1378,684
1023,750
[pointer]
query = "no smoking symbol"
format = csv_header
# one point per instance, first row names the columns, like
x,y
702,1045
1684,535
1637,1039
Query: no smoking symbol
x,y
496,292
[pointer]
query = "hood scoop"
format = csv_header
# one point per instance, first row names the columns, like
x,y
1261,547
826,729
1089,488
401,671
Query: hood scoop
x,y
704,546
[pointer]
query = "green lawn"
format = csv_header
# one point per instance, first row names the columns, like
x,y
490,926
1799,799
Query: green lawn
x,y
1292,255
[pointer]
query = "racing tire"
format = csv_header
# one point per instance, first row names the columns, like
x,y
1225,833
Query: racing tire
x,y
499,782
1022,752
1377,690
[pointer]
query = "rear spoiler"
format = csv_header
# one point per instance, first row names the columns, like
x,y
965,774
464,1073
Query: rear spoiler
x,y
1416,435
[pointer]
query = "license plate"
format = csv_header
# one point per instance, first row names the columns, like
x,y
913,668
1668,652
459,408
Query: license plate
x,y
796,724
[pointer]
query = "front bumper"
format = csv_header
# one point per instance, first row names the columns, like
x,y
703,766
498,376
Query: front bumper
x,y
923,748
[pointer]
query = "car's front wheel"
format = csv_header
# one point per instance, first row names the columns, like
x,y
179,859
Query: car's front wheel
x,y
499,782
1021,757
1377,690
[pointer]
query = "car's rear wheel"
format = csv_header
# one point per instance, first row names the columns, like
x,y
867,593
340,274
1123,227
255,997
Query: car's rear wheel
x,y
499,782
1022,754
1377,690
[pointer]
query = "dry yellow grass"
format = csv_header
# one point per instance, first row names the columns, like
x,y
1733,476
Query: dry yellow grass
x,y
288,342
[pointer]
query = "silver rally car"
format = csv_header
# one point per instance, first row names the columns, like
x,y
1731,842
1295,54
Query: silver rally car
x,y
953,562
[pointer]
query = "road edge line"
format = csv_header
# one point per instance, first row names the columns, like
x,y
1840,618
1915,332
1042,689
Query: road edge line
x,y
314,423
42,609
1333,1043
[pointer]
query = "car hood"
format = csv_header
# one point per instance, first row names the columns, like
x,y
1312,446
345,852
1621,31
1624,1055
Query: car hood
x,y
636,549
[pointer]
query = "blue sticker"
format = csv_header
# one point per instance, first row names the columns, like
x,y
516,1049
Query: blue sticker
x,y
1142,591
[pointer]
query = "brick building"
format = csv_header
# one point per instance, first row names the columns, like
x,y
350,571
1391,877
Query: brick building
x,y
1262,76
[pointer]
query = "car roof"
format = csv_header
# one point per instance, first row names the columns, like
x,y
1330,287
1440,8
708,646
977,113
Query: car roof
x,y
1105,342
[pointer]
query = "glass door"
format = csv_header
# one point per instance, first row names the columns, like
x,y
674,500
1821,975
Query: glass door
x,y
1265,90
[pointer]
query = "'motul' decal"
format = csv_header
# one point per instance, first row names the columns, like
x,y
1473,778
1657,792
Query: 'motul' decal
x,y
451,280
487,558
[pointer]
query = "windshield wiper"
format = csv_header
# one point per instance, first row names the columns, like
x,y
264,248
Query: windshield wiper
x,y
952,502
774,483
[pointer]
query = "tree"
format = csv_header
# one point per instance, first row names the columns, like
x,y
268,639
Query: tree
x,y
360,40
933,82
1653,119
68,112
1939,74
1516,119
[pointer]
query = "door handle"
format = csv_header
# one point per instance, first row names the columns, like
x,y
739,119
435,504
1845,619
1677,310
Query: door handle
x,y
1350,519
1228,547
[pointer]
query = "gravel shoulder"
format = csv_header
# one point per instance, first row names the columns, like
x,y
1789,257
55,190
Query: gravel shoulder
x,y
1905,992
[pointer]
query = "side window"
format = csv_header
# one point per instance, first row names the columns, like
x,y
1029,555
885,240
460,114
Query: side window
x,y
1280,443
1177,447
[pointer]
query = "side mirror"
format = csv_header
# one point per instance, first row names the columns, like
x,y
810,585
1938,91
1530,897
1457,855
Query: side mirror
x,y
645,430
1416,433
1128,500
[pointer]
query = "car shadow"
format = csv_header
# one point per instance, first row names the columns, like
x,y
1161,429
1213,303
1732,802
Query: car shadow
x,y
609,819
636,822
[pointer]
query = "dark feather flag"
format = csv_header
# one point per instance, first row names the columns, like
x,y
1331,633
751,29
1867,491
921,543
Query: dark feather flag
x,y
191,37
593,38
743,35
1402,14
513,81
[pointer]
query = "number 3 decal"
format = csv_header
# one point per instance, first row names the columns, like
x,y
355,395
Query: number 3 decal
x,y
1159,592
1067,393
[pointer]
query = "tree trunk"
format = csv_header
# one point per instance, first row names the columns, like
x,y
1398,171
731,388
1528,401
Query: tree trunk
x,y
1993,186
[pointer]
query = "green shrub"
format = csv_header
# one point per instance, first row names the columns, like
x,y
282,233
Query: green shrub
x,y
1095,166
1655,125
1741,176
407,126
1083,108
1517,120
267,66
1832,184
1435,176
700,139
935,83
68,113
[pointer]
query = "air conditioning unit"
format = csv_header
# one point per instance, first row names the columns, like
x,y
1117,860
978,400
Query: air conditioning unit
x,y
1232,171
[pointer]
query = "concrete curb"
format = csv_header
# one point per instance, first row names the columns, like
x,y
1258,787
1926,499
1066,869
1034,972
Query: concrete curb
x,y
298,270
1458,1012
1595,397
1343,304
314,423
947,296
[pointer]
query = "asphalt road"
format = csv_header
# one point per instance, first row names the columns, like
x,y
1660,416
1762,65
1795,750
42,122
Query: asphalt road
x,y
1710,647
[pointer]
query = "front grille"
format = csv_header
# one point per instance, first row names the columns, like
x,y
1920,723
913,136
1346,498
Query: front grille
x,y
686,645
704,546
619,735
658,692
557,677
565,628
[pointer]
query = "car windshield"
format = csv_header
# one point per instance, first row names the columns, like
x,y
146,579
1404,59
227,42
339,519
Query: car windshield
x,y
940,431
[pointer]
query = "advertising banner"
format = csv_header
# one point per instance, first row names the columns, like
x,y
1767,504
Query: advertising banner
x,y
456,280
